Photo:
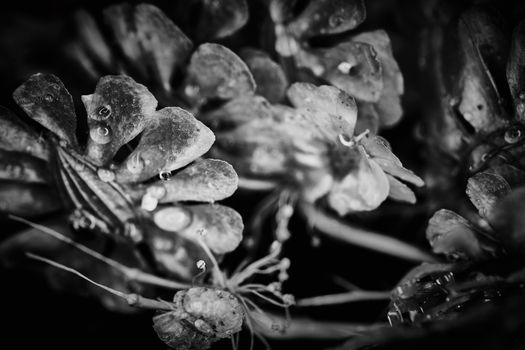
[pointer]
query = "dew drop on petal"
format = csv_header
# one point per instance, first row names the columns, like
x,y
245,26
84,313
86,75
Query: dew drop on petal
x,y
104,112
201,264
164,175
49,98
512,135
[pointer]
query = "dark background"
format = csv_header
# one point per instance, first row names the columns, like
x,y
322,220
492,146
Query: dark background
x,y
32,37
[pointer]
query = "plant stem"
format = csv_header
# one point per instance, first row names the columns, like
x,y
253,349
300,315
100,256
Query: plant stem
x,y
361,237
305,328
342,298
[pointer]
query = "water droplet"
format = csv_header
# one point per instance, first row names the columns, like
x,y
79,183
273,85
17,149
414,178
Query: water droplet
x,y
165,175
173,218
105,175
100,134
521,96
513,135
335,20
201,264
484,157
104,112
135,164
49,98
344,67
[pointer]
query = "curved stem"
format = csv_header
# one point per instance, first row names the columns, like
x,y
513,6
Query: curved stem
x,y
305,328
257,184
342,298
130,273
132,299
358,236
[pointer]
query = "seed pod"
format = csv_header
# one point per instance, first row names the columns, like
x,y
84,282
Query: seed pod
x,y
201,316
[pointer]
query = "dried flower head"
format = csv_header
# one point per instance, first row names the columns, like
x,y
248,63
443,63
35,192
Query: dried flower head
x,y
116,184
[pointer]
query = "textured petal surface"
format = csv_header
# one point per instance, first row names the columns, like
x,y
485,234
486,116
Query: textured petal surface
x,y
321,17
269,77
45,99
516,70
450,234
16,136
332,110
220,227
208,180
164,46
219,19
215,72
172,139
351,66
485,189
117,113
363,189
389,105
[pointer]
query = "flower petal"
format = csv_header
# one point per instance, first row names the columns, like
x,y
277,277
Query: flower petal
x,y
508,221
164,46
363,189
269,77
16,136
23,168
450,234
172,139
92,40
379,149
45,99
485,189
351,66
219,19
120,19
259,148
321,17
208,180
215,72
516,70
330,109
220,227
27,199
399,191
389,105
117,112
236,112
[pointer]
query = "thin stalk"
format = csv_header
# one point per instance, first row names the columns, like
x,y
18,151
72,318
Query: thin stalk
x,y
305,328
132,274
132,299
361,237
343,298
